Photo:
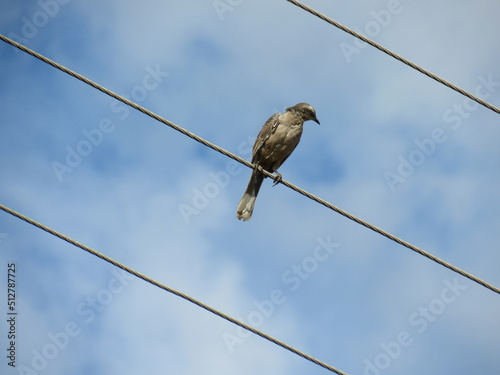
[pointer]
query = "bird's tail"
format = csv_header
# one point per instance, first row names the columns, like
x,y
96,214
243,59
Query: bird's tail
x,y
245,207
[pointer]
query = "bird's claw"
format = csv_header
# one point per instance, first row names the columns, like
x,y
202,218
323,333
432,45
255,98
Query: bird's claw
x,y
278,178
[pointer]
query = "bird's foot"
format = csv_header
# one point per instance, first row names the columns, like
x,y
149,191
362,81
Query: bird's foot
x,y
258,168
278,178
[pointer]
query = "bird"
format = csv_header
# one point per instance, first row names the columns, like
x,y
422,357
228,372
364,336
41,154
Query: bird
x,y
276,141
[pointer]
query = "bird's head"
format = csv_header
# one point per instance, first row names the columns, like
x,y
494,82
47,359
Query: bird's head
x,y
305,111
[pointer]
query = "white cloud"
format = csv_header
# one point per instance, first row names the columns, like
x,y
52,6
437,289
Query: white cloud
x,y
225,78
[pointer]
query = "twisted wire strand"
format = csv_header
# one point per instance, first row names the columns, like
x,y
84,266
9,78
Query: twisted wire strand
x,y
172,291
250,165
392,237
395,55
123,99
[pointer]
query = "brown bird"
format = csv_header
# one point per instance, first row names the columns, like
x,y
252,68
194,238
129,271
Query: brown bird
x,y
276,141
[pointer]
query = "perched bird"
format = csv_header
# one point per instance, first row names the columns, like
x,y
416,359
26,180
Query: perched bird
x,y
276,141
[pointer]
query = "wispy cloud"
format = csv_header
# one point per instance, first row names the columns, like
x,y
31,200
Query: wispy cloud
x,y
225,78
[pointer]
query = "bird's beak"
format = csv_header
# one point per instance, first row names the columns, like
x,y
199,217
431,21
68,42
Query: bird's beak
x,y
316,120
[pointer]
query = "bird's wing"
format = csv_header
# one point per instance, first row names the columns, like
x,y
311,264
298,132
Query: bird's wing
x,y
267,130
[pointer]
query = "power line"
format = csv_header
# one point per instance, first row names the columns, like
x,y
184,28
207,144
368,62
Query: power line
x,y
171,290
250,165
395,55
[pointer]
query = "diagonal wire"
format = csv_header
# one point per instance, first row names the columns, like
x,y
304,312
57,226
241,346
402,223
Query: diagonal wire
x,y
123,99
250,165
171,290
395,55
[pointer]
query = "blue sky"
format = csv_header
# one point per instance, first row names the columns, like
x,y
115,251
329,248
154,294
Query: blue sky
x,y
394,148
